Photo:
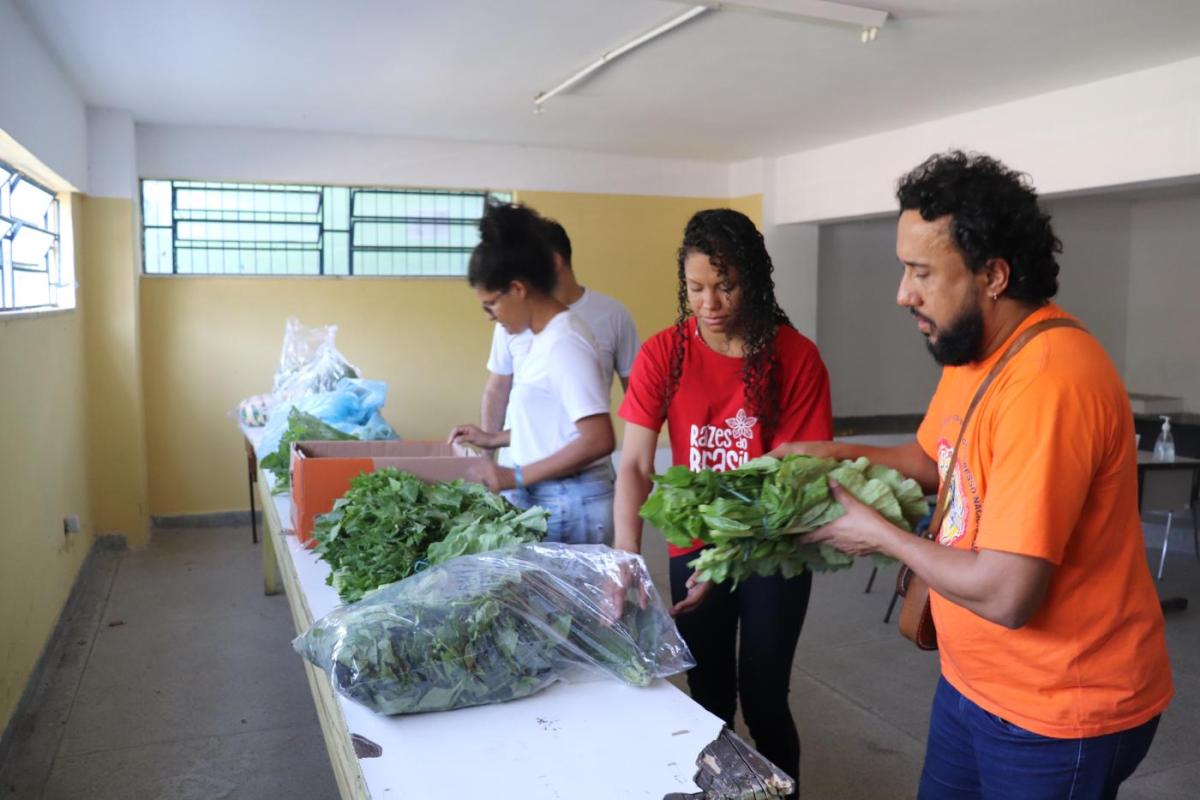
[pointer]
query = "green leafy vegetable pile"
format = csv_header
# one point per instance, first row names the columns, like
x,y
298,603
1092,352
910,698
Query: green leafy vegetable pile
x,y
390,524
750,516
496,626
301,427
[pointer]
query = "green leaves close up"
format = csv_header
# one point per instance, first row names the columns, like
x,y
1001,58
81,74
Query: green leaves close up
x,y
391,524
750,516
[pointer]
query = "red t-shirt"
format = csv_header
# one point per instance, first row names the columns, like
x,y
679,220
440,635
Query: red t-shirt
x,y
708,421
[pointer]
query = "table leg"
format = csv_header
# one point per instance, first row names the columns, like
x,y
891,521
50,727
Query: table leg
x,y
253,511
270,572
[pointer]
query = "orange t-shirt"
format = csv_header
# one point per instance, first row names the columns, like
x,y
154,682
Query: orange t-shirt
x,y
1048,468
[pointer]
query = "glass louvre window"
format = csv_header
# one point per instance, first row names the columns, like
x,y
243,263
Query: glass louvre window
x,y
207,228
31,274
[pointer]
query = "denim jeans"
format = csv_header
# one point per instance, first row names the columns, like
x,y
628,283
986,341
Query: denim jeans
x,y
580,505
972,753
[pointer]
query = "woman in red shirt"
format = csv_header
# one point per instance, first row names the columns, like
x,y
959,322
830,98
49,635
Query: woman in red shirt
x,y
732,379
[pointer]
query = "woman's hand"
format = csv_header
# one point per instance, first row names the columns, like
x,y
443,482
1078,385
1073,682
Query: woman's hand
x,y
493,476
616,592
473,435
859,532
815,449
696,593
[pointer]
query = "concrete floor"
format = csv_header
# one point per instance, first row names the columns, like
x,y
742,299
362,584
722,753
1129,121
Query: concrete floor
x,y
174,678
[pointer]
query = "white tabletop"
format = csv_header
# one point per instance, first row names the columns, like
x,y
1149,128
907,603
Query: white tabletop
x,y
253,435
585,741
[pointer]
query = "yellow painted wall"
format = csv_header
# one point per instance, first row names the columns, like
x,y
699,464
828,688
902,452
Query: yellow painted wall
x,y
116,408
43,477
750,205
207,342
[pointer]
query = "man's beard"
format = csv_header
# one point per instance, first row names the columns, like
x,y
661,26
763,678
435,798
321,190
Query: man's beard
x,y
958,343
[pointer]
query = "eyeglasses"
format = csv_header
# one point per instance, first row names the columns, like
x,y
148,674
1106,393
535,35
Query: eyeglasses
x,y
489,305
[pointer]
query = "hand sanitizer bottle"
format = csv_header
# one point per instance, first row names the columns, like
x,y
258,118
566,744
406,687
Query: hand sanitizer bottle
x,y
1164,446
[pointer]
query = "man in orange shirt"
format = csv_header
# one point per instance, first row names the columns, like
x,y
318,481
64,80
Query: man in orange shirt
x,y
1054,662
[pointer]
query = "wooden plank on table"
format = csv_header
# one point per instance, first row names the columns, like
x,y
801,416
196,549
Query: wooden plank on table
x,y
351,784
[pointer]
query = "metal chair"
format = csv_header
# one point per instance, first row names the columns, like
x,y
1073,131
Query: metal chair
x,y
1170,491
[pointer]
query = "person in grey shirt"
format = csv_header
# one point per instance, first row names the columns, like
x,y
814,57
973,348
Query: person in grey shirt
x,y
611,326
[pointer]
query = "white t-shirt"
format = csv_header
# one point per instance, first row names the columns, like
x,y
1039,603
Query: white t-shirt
x,y
611,327
559,383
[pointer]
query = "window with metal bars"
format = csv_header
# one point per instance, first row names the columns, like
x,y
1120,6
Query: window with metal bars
x,y
32,276
210,228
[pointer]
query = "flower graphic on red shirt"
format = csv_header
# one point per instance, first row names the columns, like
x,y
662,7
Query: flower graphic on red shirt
x,y
741,425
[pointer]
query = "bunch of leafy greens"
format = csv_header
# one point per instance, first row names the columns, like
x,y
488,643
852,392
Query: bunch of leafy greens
x,y
301,427
750,516
496,626
391,523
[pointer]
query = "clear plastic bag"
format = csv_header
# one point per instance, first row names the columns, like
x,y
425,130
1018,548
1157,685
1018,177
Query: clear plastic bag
x,y
498,626
309,363
253,411
352,407
300,346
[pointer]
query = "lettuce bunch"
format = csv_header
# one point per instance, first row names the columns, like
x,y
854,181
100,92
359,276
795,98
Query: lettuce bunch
x,y
750,517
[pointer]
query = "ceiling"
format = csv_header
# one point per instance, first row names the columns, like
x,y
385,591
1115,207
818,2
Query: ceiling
x,y
725,87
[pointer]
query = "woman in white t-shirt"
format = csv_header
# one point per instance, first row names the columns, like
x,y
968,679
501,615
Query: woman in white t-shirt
x,y
560,435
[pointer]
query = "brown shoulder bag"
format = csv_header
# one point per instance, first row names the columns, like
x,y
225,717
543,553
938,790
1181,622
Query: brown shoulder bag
x,y
916,617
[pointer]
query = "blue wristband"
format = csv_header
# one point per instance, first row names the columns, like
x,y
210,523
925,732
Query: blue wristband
x,y
520,478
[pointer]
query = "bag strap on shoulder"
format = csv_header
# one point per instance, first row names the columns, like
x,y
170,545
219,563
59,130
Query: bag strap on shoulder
x,y
1022,340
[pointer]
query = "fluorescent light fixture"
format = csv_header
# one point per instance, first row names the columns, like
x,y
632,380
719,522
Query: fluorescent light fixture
x,y
669,25
822,10
869,19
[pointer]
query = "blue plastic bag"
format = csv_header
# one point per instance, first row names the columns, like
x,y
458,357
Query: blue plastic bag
x,y
352,407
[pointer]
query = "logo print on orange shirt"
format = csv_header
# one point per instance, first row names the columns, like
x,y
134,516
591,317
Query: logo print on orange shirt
x,y
954,524
721,449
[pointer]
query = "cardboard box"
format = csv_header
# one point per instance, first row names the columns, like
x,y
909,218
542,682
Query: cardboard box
x,y
322,471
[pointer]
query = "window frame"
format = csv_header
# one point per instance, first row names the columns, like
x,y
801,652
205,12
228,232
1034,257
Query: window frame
x,y
347,224
51,225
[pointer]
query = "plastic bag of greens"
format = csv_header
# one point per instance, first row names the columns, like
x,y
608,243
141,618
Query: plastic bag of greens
x,y
309,363
497,626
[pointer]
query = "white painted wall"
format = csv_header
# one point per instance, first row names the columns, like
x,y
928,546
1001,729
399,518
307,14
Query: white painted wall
x,y
1143,126
112,154
795,252
1163,345
747,177
292,156
793,248
39,107
1094,276
877,359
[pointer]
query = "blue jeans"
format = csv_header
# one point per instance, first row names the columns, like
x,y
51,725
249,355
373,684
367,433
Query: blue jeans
x,y
972,753
580,505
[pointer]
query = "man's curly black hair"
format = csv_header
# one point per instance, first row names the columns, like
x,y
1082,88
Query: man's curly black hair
x,y
731,241
995,214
